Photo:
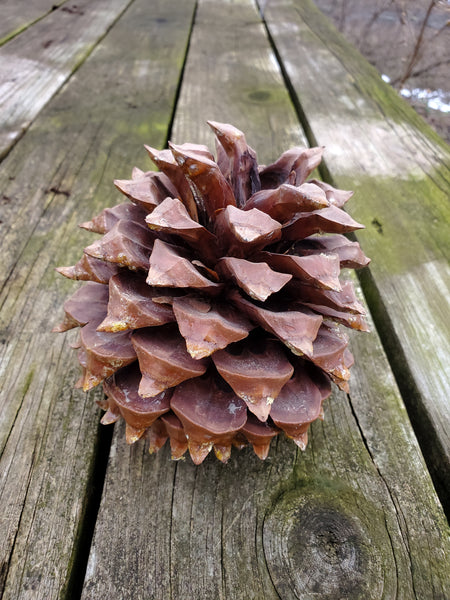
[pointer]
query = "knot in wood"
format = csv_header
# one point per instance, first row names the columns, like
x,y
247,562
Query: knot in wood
x,y
319,544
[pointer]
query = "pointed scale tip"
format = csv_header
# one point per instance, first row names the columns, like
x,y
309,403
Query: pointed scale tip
x,y
183,153
68,272
223,453
102,403
199,451
225,130
76,345
132,434
177,153
109,417
261,450
261,409
301,440
154,447
137,173
121,185
88,226
153,153
178,449
90,381
157,436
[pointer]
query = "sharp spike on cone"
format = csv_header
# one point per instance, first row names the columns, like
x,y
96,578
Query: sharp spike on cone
x,y
88,225
301,440
136,173
199,451
261,450
157,436
239,441
223,453
68,272
91,381
156,443
133,435
178,448
110,417
102,403
261,409
79,384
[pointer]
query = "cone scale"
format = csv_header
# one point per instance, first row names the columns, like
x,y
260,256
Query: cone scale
x,y
212,305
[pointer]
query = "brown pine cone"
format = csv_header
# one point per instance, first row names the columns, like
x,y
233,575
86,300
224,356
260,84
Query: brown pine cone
x,y
212,305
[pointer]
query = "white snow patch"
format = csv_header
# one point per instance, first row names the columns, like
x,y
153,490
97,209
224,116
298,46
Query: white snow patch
x,y
434,99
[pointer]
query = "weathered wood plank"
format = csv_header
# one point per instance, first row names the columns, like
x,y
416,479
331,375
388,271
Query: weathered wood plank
x,y
16,17
34,65
58,175
336,521
354,516
399,168
239,82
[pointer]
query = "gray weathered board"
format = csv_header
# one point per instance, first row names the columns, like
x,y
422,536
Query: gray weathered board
x,y
355,516
36,63
58,175
15,21
400,171
346,519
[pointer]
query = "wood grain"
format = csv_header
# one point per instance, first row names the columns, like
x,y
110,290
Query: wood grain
x,y
16,19
399,168
34,65
239,82
354,516
58,175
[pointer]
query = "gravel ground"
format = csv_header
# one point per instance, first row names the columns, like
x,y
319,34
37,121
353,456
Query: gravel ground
x,y
386,33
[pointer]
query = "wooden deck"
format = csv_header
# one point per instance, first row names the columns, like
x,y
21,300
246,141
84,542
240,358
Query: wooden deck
x,y
360,514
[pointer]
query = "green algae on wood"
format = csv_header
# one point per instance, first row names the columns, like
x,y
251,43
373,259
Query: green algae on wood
x,y
399,169
225,521
14,22
56,176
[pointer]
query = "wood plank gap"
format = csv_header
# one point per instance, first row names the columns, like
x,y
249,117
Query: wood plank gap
x,y
180,81
429,442
93,496
432,449
15,32
301,115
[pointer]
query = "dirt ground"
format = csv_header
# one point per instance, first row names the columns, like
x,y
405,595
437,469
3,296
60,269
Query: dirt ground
x,y
386,32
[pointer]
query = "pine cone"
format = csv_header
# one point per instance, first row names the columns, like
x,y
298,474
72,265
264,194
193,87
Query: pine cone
x,y
212,306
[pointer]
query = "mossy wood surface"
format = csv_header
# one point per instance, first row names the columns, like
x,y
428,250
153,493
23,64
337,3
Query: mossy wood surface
x,y
36,63
354,517
57,176
400,171
346,519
